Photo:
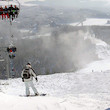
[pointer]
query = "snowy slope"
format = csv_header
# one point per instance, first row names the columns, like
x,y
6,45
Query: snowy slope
x,y
36,103
73,91
87,89
91,22
103,52
81,90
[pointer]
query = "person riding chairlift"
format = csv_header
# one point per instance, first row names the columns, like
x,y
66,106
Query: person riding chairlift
x,y
10,11
1,12
16,11
6,12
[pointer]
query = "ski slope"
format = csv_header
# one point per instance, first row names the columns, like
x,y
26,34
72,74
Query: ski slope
x,y
92,22
81,90
86,89
73,91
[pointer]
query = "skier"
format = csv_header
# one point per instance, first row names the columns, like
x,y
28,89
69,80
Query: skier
x,y
27,77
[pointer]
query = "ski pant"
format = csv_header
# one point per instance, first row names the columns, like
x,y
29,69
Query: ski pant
x,y
30,84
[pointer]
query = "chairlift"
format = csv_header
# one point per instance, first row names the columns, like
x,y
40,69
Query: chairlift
x,y
9,9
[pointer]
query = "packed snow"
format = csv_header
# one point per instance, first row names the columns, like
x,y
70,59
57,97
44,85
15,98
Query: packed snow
x,y
87,89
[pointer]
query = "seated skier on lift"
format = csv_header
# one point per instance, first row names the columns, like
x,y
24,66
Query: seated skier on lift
x,y
6,12
16,11
1,12
10,11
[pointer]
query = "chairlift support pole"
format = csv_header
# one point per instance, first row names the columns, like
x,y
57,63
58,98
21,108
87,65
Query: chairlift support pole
x,y
3,49
7,65
12,68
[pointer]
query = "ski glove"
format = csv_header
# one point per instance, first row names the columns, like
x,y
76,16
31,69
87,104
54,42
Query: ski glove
x,y
23,79
36,80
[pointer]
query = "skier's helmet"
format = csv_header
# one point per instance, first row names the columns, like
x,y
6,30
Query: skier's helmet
x,y
29,63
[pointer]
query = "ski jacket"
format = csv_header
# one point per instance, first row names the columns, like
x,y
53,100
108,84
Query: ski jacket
x,y
32,74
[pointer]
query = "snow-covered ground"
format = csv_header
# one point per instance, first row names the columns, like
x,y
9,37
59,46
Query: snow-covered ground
x,y
67,91
87,89
92,21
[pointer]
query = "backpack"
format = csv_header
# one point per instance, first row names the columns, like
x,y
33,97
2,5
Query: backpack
x,y
26,74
